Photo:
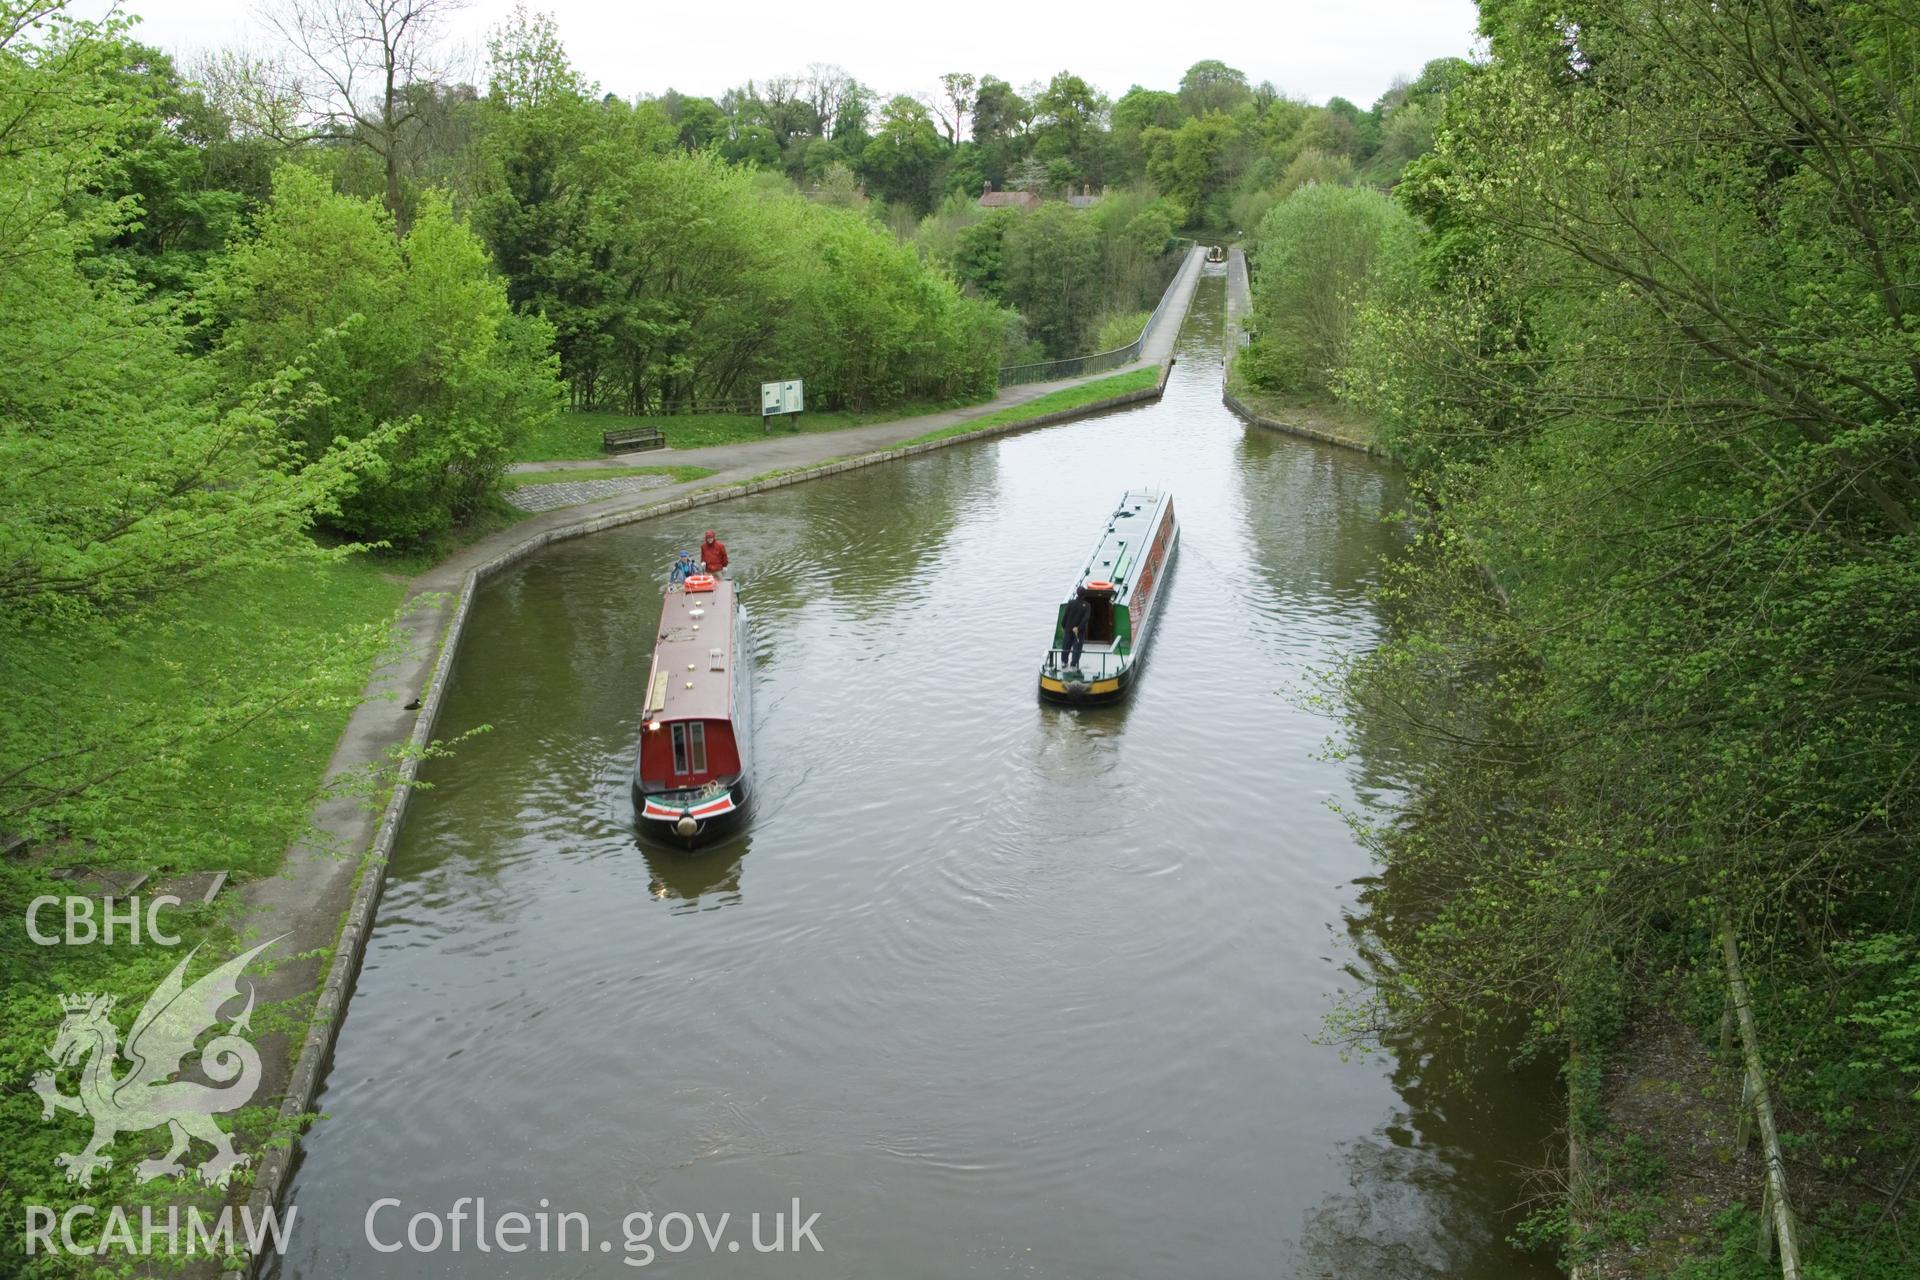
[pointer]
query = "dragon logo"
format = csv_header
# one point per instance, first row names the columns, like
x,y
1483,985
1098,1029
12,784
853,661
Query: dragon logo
x,y
174,1017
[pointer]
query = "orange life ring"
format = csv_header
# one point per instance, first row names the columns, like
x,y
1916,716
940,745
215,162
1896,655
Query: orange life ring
x,y
699,582
1093,584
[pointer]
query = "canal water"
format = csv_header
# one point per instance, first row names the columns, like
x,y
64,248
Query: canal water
x,y
994,988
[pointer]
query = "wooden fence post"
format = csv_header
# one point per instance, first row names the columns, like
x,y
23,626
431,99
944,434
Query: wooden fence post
x,y
1774,1203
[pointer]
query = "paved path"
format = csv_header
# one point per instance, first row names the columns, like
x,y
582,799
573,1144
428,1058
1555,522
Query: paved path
x,y
1239,298
320,882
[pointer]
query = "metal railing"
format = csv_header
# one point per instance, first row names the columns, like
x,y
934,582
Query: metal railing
x,y
1099,660
1074,366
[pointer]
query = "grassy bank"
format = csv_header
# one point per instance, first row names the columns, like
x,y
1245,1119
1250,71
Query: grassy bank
x,y
308,635
576,435
235,804
1321,415
1053,402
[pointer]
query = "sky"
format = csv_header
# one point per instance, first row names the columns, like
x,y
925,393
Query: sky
x,y
1311,49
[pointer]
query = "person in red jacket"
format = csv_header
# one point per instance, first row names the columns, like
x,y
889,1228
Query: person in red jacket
x,y
713,553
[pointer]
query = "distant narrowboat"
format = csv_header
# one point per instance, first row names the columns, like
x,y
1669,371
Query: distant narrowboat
x,y
1216,253
690,777
1121,582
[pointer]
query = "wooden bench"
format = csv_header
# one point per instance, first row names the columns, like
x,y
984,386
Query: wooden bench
x,y
634,438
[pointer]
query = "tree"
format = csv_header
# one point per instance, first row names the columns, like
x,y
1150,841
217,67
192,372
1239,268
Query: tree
x,y
966,171
829,90
1212,85
126,486
527,65
998,112
1313,166
839,187
851,120
902,161
186,181
698,122
1051,273
1136,112
1659,380
753,145
1362,127
872,325
1318,253
1070,116
1194,163
360,58
258,93
410,341
955,103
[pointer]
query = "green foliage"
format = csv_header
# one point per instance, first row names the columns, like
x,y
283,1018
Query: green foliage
x,y
1320,252
120,477
872,326
1655,373
902,161
1069,124
1052,276
1545,1229
1118,329
198,734
1194,163
1838,1247
1062,269
679,281
179,173
1887,1015
1212,87
410,342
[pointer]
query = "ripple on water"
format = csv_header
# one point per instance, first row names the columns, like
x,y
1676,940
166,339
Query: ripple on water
x,y
995,986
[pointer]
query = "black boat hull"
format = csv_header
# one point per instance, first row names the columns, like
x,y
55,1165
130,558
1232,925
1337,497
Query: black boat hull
x,y
685,826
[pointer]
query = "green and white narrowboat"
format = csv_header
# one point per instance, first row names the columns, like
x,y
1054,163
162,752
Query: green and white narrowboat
x,y
1122,583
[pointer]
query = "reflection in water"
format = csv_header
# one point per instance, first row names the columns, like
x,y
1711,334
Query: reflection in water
x,y
695,881
998,988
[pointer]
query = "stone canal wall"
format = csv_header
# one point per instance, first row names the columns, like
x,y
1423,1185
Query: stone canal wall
x,y
328,892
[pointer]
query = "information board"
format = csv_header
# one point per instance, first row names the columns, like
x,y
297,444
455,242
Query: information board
x,y
781,397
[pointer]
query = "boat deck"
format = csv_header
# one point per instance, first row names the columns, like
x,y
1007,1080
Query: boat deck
x,y
1118,555
692,676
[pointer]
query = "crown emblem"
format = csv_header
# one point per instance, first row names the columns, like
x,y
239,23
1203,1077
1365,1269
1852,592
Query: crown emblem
x,y
87,1003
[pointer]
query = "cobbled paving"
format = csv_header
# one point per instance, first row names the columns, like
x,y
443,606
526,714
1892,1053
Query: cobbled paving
x,y
545,497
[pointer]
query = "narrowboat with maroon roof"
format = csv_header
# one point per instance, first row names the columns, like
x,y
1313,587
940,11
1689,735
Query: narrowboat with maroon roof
x,y
1120,584
690,777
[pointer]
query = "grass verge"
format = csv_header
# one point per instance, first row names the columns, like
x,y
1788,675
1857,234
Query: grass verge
x,y
681,474
1053,402
1322,414
576,435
